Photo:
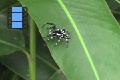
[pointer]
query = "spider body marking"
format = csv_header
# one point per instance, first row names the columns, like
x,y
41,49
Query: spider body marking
x,y
54,32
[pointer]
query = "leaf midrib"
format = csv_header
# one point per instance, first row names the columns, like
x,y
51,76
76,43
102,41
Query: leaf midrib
x,y
80,38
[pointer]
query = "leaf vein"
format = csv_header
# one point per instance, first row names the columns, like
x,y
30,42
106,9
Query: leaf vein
x,y
80,38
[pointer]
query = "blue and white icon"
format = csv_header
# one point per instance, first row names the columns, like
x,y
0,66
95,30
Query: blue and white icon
x,y
17,17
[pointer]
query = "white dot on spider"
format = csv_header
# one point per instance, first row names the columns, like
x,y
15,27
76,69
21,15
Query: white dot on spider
x,y
51,37
56,44
55,32
58,40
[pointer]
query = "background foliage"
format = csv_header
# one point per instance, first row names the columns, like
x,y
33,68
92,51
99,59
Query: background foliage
x,y
15,65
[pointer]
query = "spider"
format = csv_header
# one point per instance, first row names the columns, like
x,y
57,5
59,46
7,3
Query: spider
x,y
57,33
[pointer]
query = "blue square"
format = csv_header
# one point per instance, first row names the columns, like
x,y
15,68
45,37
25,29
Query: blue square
x,y
16,9
16,24
16,16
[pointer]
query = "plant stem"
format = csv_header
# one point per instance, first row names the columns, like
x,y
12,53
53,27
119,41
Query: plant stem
x,y
15,46
32,62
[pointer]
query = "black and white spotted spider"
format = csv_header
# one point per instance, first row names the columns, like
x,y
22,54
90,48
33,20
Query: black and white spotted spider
x,y
54,32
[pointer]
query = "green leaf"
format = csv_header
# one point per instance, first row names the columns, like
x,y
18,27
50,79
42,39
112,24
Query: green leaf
x,y
113,4
3,21
6,72
58,76
6,3
18,63
93,52
10,40
115,8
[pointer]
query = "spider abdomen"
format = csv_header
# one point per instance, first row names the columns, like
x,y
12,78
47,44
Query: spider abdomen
x,y
57,33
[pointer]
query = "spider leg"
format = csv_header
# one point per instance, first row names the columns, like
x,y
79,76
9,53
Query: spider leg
x,y
57,41
49,24
67,31
67,42
48,37
59,38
